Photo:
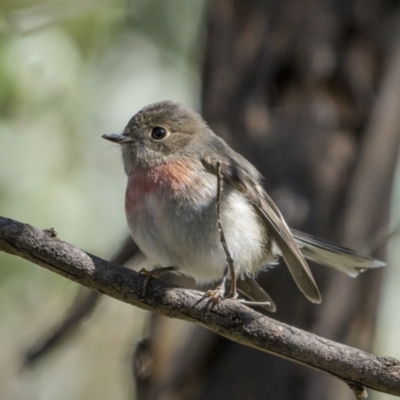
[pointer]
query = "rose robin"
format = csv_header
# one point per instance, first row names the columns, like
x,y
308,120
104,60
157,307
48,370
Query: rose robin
x,y
172,160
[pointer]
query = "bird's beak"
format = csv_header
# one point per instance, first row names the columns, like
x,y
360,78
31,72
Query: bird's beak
x,y
115,137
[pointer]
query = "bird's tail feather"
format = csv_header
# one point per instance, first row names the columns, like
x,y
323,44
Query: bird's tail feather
x,y
334,256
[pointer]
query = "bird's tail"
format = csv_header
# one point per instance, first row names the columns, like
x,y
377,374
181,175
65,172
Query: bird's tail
x,y
334,256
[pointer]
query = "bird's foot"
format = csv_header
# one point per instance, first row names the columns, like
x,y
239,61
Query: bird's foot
x,y
155,273
214,296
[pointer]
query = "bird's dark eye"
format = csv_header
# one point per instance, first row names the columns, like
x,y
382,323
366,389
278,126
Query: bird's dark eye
x,y
159,133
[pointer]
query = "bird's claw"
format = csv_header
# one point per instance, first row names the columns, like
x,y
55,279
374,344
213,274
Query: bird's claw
x,y
214,296
148,275
155,273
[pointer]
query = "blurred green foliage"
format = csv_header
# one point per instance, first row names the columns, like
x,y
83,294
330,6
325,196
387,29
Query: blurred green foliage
x,y
71,71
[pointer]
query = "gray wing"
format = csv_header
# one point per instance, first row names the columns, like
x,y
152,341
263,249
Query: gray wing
x,y
243,176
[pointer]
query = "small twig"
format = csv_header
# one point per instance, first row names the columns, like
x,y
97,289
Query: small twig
x,y
229,259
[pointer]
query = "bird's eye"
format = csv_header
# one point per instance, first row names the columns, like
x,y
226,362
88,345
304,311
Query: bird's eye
x,y
159,133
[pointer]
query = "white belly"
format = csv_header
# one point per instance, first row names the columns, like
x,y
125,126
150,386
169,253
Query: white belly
x,y
180,230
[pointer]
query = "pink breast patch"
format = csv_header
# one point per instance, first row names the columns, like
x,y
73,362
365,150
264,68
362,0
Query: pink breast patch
x,y
169,179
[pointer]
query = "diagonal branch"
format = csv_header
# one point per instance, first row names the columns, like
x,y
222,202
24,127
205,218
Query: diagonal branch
x,y
229,318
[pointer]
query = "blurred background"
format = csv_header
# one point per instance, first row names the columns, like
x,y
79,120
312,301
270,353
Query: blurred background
x,y
308,91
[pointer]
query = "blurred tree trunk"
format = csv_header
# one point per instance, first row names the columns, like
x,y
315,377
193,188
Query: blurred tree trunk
x,y
307,91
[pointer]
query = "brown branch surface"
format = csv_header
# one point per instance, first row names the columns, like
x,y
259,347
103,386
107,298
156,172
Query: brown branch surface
x,y
229,318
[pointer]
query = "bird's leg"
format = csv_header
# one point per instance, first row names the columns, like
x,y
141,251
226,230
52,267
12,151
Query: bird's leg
x,y
215,295
229,260
155,273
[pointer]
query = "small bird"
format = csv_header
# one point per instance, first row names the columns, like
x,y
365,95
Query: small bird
x,y
173,161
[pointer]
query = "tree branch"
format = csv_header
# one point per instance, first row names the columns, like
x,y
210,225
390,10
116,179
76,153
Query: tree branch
x,y
229,318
